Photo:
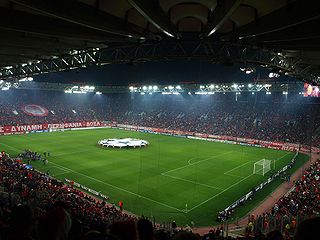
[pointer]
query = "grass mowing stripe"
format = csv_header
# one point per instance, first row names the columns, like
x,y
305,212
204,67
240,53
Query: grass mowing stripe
x,y
119,188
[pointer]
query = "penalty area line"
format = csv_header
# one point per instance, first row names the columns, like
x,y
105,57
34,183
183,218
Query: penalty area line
x,y
227,172
119,188
218,194
191,164
190,181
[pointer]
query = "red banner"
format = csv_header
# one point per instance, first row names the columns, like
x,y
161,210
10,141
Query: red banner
x,y
20,129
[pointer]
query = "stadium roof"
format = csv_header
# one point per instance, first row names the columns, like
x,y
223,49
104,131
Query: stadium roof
x,y
40,36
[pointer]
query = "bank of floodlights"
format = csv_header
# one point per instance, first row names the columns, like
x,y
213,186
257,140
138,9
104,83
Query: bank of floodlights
x,y
80,89
171,90
204,89
6,85
165,90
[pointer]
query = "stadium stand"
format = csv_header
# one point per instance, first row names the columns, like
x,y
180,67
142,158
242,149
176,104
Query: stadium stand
x,y
270,121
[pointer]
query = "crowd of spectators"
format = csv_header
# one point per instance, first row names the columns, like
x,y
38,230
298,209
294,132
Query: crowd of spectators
x,y
302,202
273,121
44,193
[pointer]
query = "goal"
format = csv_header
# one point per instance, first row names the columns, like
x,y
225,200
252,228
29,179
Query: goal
x,y
262,167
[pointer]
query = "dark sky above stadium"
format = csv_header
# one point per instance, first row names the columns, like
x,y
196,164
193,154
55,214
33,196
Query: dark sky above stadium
x,y
171,72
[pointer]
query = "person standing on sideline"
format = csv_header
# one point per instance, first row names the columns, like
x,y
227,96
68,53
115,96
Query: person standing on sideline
x,y
120,205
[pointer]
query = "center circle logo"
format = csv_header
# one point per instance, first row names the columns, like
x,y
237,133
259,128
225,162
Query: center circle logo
x,y
123,143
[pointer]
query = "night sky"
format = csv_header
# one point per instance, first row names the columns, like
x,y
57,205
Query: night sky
x,y
170,72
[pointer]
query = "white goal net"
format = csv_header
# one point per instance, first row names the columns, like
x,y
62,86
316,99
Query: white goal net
x,y
262,167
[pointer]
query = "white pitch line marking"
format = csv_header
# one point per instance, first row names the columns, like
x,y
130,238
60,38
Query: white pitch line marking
x,y
172,170
284,155
218,193
233,175
227,188
237,167
64,171
189,161
119,188
186,180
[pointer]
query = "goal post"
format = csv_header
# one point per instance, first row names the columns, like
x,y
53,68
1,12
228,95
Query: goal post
x,y
262,167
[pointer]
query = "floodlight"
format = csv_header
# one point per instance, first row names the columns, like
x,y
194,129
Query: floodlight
x,y
178,87
150,87
170,87
144,88
249,85
155,88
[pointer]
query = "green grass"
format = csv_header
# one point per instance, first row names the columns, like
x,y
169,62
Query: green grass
x,y
158,180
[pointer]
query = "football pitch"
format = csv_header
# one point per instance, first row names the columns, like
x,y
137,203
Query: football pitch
x,y
173,178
